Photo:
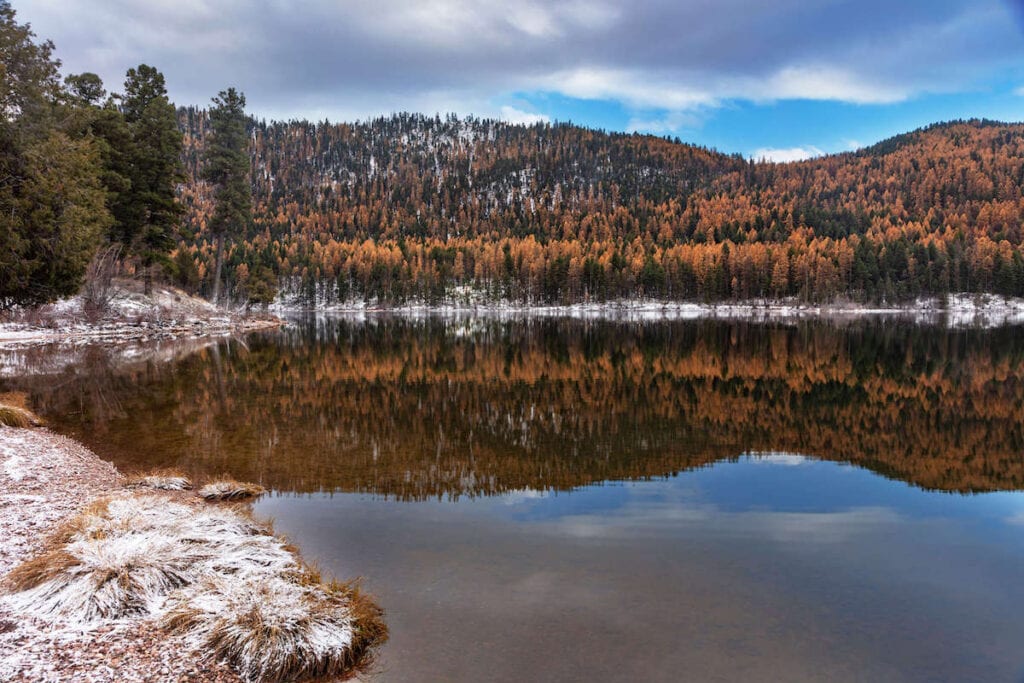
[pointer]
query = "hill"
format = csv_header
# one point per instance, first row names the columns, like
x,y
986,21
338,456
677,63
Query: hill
x,y
410,206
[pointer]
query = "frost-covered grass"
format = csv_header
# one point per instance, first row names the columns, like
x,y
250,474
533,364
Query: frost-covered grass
x,y
281,629
162,480
229,489
233,590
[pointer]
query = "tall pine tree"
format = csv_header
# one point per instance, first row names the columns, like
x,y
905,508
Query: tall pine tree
x,y
227,169
148,213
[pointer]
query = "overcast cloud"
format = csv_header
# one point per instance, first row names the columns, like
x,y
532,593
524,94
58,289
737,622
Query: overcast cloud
x,y
662,60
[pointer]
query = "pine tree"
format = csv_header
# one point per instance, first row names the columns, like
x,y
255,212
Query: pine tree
x,y
227,168
148,213
52,202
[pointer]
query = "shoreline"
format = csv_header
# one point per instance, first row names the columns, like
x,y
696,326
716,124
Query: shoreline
x,y
59,499
131,316
45,479
13,335
955,310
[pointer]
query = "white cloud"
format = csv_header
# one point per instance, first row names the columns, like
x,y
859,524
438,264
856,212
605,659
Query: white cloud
x,y
823,82
1019,91
513,115
370,57
781,155
671,122
636,89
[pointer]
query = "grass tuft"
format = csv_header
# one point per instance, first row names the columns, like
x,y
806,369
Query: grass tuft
x,y
234,591
229,489
21,418
273,630
162,480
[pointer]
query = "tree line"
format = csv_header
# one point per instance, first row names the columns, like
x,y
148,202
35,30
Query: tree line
x,y
414,207
411,207
84,172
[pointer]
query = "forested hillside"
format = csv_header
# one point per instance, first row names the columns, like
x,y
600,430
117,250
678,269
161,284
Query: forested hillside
x,y
411,207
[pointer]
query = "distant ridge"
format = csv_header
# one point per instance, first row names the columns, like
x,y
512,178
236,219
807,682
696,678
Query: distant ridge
x,y
416,207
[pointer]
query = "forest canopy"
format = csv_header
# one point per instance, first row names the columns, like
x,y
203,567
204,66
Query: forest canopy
x,y
418,208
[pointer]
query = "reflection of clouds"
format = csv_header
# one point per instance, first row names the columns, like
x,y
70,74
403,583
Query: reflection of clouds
x,y
522,496
817,527
1016,519
786,527
662,507
785,459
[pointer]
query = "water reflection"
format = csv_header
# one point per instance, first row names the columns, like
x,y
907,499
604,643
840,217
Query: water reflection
x,y
419,409
744,571
633,501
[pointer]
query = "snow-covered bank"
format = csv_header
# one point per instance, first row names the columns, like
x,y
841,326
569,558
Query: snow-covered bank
x,y
109,583
132,316
956,310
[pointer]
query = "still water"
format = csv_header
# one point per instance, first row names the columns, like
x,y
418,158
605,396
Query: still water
x,y
539,500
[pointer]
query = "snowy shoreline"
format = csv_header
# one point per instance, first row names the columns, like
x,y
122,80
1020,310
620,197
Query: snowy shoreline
x,y
109,579
45,479
956,310
167,313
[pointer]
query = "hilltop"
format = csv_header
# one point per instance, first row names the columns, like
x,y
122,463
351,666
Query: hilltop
x,y
414,207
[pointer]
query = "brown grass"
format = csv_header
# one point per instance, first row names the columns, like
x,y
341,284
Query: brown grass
x,y
230,489
16,416
54,559
166,479
368,621
40,569
287,624
255,641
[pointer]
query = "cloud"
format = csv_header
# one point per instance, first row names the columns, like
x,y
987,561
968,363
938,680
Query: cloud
x,y
670,122
786,154
1019,91
658,59
513,115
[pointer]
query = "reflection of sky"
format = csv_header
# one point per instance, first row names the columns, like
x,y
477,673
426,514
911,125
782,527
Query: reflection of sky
x,y
786,564
790,487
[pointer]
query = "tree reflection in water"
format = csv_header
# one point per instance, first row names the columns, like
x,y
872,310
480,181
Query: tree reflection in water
x,y
435,408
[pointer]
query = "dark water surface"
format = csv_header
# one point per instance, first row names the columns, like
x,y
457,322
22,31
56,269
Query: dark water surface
x,y
567,500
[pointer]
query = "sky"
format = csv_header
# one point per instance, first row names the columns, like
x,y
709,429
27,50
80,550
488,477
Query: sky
x,y
776,79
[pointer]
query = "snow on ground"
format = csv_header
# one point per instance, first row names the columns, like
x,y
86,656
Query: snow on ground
x,y
151,585
45,479
958,310
132,316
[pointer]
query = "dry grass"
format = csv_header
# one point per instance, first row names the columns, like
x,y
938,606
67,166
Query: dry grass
x,y
14,411
232,590
277,629
40,569
369,630
163,480
230,489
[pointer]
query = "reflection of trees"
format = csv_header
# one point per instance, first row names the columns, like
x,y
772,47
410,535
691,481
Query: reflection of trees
x,y
469,408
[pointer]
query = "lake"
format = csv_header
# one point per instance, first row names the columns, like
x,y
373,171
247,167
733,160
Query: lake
x,y
559,499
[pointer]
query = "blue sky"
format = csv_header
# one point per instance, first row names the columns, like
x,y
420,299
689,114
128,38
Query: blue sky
x,y
782,79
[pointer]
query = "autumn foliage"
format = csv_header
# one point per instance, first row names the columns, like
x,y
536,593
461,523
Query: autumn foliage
x,y
414,207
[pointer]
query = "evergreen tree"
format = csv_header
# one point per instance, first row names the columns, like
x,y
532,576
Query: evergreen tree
x,y
147,213
227,168
52,202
